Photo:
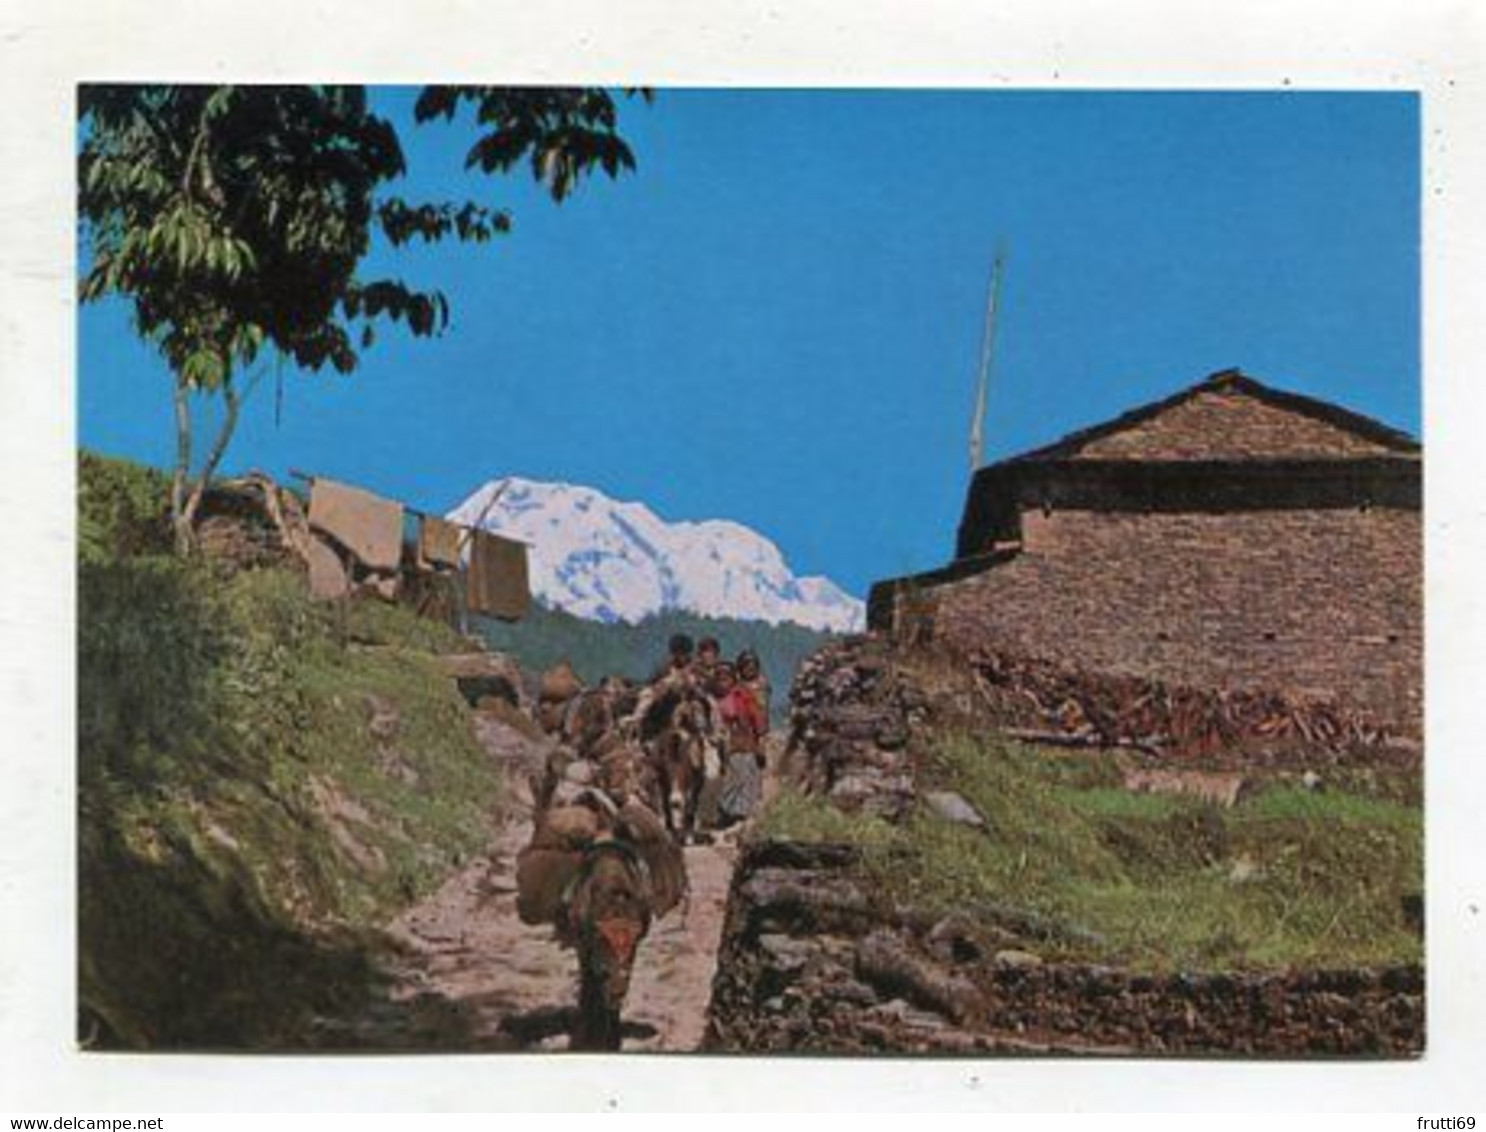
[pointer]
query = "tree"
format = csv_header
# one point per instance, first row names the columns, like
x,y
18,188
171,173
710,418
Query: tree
x,y
235,220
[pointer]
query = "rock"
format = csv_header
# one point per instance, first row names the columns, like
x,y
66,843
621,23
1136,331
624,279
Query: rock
x,y
852,991
383,721
890,763
394,765
500,670
500,709
858,721
907,1015
1244,870
886,962
892,736
483,692
1021,960
952,807
840,754
784,899
892,800
954,940
851,790
784,952
799,855
839,682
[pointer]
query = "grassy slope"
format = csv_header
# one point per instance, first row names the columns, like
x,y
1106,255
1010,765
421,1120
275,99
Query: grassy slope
x,y
1286,878
260,779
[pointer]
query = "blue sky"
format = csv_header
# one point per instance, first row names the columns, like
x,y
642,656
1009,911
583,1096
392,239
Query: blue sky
x,y
777,318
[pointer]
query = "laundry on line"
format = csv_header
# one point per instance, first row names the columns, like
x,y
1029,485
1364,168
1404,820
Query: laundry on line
x,y
368,526
368,530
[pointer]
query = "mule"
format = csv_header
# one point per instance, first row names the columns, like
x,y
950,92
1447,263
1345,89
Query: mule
x,y
680,770
607,914
589,716
683,752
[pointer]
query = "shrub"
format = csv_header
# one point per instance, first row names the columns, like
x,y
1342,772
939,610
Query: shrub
x,y
123,509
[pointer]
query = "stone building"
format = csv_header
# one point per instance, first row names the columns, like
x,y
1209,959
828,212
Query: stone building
x,y
1230,536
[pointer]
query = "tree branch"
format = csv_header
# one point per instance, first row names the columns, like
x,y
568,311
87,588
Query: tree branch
x,y
197,143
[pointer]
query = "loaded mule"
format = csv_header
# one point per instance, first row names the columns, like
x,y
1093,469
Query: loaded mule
x,y
680,734
600,874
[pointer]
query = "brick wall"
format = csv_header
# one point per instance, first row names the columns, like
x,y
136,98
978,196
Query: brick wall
x,y
1324,603
1219,425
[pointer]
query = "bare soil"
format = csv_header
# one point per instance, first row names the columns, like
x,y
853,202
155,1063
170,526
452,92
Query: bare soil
x,y
472,975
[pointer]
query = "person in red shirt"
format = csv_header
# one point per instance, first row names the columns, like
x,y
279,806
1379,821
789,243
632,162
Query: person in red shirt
x,y
751,676
744,726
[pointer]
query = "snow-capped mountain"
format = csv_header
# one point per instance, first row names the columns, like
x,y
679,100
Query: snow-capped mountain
x,y
605,560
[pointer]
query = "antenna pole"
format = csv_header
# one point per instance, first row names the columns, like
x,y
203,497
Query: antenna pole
x,y
987,342
469,532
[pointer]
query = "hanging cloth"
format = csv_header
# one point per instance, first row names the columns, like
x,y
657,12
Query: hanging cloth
x,y
497,581
367,525
438,544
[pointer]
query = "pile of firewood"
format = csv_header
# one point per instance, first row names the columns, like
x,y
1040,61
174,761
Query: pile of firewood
x,y
1042,700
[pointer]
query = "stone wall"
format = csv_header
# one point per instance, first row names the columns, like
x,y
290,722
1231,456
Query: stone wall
x,y
809,965
1232,537
815,959
1321,604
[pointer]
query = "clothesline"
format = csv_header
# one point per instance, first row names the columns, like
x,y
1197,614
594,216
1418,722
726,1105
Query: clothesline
x,y
493,569
468,528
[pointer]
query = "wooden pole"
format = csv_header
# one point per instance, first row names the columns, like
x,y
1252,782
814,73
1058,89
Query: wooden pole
x,y
987,342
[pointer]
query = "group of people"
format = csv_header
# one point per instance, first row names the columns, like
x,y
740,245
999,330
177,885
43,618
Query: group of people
x,y
634,773
739,692
689,742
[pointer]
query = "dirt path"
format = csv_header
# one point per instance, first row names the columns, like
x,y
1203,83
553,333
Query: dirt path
x,y
498,983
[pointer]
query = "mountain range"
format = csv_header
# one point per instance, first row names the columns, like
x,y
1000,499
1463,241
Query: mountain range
x,y
606,560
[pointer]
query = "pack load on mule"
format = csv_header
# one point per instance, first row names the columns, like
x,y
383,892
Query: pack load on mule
x,y
599,873
565,835
558,687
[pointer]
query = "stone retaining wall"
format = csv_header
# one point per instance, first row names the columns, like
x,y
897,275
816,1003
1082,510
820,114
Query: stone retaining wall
x,y
810,964
813,959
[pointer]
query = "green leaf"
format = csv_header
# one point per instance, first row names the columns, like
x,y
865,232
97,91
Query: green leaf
x,y
265,246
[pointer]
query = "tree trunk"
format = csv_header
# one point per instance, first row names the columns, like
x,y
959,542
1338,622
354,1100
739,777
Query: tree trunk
x,y
178,521
185,504
219,448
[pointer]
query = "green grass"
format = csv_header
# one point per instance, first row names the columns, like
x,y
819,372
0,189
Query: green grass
x,y
1288,878
237,813
216,699
122,509
793,816
377,623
